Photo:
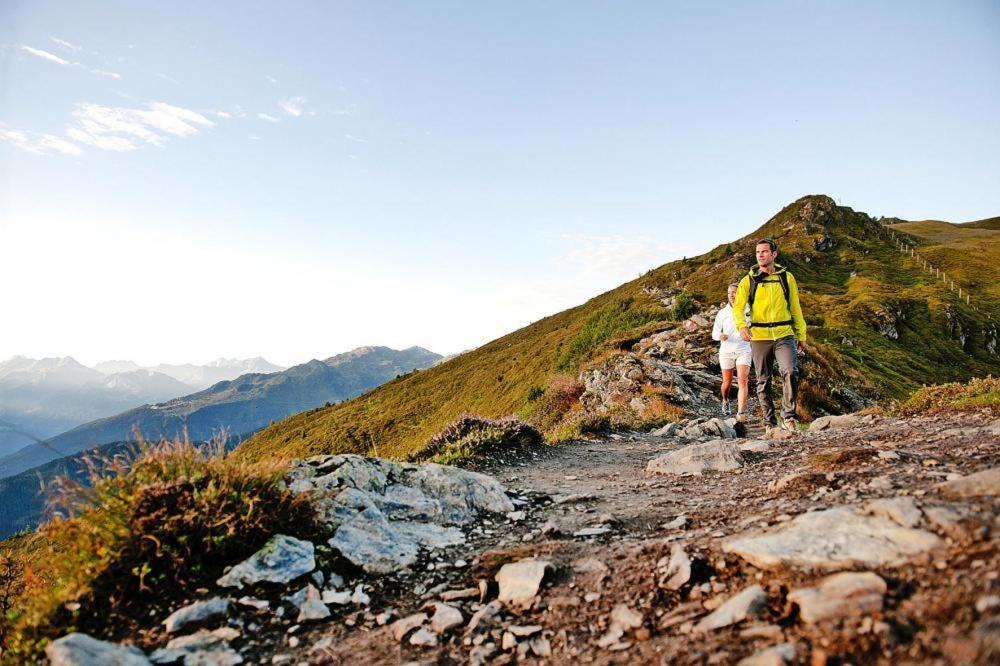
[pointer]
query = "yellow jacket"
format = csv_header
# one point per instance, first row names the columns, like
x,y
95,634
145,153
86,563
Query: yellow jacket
x,y
769,306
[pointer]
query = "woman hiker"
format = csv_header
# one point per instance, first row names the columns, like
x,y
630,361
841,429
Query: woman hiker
x,y
734,354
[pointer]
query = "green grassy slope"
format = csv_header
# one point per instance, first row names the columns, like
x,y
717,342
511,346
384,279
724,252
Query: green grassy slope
x,y
969,252
851,276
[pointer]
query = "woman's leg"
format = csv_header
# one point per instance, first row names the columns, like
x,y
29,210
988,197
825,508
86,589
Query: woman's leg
x,y
743,379
727,383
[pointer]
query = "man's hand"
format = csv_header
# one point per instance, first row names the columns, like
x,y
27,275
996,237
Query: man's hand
x,y
745,334
800,348
723,337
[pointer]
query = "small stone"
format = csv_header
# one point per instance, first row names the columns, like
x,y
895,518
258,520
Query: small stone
x,y
484,618
625,617
312,609
455,595
196,613
772,656
747,604
509,642
281,560
423,638
519,581
253,602
984,483
359,597
335,597
445,617
541,647
840,595
677,571
768,631
524,631
403,626
591,597
677,523
322,644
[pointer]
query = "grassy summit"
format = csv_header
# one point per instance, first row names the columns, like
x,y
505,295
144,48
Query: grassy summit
x,y
878,325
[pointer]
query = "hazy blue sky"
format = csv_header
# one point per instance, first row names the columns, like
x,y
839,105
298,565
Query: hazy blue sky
x,y
184,180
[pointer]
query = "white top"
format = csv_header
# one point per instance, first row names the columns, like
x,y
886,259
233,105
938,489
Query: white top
x,y
724,323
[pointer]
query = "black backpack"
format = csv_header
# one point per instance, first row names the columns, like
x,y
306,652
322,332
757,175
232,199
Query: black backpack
x,y
754,281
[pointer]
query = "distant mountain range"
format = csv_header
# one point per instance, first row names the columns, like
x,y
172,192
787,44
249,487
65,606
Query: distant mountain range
x,y
40,398
239,407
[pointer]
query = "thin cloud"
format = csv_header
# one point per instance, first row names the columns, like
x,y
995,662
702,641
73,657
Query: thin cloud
x,y
38,144
292,106
357,139
223,114
45,55
270,78
66,45
618,257
122,129
52,57
167,78
268,117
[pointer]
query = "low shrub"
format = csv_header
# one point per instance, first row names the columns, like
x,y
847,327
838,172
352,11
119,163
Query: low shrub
x,y
976,394
684,306
472,438
547,407
578,424
144,531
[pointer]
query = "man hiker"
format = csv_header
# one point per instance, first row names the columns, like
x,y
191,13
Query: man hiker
x,y
776,330
734,353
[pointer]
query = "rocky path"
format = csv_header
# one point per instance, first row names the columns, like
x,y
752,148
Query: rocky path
x,y
614,535
864,540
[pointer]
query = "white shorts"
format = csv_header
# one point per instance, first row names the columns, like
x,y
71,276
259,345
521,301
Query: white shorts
x,y
729,360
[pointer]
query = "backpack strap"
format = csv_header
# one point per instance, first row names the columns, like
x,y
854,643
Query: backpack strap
x,y
783,279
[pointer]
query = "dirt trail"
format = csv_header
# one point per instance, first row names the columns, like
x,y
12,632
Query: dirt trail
x,y
929,614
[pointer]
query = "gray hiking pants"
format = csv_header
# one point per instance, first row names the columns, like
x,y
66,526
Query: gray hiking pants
x,y
764,352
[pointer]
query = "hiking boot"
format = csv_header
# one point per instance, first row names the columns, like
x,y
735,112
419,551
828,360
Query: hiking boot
x,y
726,410
791,425
741,417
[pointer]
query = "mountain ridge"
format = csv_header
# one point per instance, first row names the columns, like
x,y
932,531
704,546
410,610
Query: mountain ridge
x,y
238,406
857,290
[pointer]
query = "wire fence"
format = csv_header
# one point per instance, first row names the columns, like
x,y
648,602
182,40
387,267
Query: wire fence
x,y
907,247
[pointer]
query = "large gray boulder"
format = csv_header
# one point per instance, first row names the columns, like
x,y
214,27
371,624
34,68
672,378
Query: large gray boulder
x,y
82,650
836,538
384,513
721,455
281,560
